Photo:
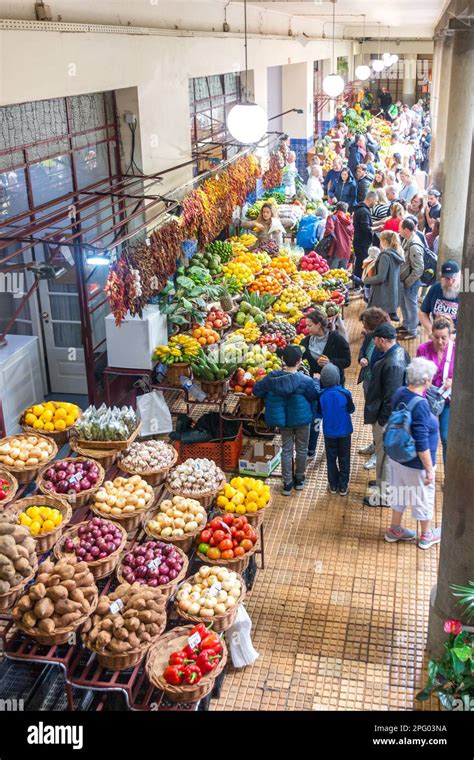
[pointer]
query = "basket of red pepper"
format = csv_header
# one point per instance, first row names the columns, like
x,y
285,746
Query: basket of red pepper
x,y
185,662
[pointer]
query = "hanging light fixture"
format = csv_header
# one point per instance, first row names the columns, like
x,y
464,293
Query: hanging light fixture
x,y
247,122
393,59
362,72
387,59
333,84
378,64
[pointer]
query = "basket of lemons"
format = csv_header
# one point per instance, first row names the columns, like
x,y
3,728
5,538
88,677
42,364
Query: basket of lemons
x,y
51,418
45,516
245,496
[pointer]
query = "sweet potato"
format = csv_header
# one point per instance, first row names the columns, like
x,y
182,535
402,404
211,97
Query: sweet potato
x,y
56,593
82,567
20,533
153,629
145,636
133,640
120,633
103,606
117,621
37,591
29,620
17,579
30,545
84,579
6,528
47,625
119,646
7,573
145,616
130,613
47,566
66,606
17,614
44,608
77,596
132,624
65,572
23,566
42,578
22,551
53,580
87,625
8,547
106,624
138,603
69,585
25,603
103,639
156,606
4,587
65,620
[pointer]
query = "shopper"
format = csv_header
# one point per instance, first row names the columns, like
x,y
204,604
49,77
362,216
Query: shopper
x,y
370,318
267,226
397,214
416,208
340,226
363,231
433,208
311,229
433,234
385,101
362,182
440,350
336,406
412,484
442,299
314,187
387,374
409,186
320,347
385,283
290,398
410,276
332,176
357,153
344,189
372,145
379,180
290,173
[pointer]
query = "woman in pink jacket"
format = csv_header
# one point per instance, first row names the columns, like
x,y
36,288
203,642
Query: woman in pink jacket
x,y
440,350
340,225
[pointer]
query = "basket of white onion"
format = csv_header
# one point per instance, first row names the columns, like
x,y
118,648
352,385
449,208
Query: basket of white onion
x,y
151,459
177,521
199,479
212,595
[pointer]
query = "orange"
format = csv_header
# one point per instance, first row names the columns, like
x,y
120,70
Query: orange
x,y
202,341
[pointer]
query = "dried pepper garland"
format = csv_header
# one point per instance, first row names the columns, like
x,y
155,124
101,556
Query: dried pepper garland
x,y
119,289
273,177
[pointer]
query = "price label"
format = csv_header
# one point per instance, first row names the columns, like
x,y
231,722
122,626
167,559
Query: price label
x,y
75,478
116,606
154,564
194,640
225,526
215,588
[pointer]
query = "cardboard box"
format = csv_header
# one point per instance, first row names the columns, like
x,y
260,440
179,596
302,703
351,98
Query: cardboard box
x,y
131,345
259,459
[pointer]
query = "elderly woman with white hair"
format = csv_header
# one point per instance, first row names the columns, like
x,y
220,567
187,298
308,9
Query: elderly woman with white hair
x,y
413,483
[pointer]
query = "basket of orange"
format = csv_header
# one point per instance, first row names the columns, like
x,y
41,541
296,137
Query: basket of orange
x,y
285,263
51,418
278,274
205,336
266,284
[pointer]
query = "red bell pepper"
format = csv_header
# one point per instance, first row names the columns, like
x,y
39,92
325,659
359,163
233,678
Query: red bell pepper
x,y
191,653
192,674
201,629
212,641
178,658
174,674
207,661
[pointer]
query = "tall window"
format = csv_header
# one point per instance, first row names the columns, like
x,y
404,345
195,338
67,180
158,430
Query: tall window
x,y
210,100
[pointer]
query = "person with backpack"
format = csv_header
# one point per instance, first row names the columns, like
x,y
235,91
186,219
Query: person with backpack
x,y
290,404
311,229
411,273
336,406
411,440
340,226
388,365
385,281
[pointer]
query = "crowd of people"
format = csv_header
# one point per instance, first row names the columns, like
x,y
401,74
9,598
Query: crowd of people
x,y
383,226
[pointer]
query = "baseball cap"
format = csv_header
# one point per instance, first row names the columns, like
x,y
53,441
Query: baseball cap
x,y
434,192
291,355
330,375
385,331
449,268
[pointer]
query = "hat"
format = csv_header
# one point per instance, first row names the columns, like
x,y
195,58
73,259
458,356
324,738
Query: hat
x,y
434,192
330,375
386,331
449,268
291,355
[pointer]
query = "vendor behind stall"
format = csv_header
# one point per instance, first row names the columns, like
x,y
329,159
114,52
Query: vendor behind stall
x,y
267,226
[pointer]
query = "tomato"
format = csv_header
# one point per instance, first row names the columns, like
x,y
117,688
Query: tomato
x,y
219,535
215,524
233,532
246,545
203,548
239,551
225,545
228,519
234,543
206,536
212,541
240,535
214,553
247,529
253,536
228,554
244,519
238,523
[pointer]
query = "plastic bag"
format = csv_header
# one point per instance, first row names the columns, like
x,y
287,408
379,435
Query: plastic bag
x,y
154,414
239,640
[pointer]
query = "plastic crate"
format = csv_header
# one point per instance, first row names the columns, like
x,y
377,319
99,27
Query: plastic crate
x,y
212,450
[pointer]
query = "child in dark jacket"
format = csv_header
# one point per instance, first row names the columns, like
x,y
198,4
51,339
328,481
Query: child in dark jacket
x,y
290,398
336,406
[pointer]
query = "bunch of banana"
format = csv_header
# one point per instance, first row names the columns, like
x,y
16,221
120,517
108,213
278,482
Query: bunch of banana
x,y
180,348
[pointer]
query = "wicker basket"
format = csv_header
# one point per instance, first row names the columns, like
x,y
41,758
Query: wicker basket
x,y
157,661
75,500
12,487
220,623
174,372
206,498
99,568
108,446
8,600
60,635
104,457
116,661
254,518
238,564
27,474
60,437
250,406
185,542
168,589
215,389
128,521
153,477
44,542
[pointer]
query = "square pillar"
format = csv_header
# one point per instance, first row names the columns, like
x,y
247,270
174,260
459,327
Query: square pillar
x,y
297,92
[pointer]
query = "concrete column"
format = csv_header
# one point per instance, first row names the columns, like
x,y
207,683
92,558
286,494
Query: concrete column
x,y
441,90
297,92
458,147
456,562
409,80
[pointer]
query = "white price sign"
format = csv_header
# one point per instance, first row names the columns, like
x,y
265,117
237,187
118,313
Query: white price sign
x,y
215,588
154,564
116,606
194,640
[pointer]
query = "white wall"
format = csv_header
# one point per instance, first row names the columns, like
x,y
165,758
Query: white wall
x,y
274,99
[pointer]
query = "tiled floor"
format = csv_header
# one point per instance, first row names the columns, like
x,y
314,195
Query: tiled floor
x,y
339,616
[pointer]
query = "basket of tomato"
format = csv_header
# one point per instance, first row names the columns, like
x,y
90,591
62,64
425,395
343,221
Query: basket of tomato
x,y
185,662
228,541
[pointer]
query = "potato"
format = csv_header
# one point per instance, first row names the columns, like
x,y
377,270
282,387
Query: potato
x,y
22,551
6,528
44,608
47,625
37,591
29,620
23,567
8,547
4,587
7,573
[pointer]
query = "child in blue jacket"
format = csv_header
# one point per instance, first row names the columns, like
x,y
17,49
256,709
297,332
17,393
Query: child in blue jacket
x,y
290,397
336,406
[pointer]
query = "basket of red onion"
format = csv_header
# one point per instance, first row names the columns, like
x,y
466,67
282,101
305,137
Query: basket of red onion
x,y
154,564
98,542
75,479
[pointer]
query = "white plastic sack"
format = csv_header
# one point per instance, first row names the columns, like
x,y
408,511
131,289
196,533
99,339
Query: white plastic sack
x,y
154,414
239,640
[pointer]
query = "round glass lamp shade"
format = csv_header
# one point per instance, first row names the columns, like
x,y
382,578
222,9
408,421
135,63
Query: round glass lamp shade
x,y
378,65
393,59
333,85
362,72
387,59
247,122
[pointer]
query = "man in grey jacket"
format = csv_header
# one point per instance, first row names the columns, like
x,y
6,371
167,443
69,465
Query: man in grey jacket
x,y
410,274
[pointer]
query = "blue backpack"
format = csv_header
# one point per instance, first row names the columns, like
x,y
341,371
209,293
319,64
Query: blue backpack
x,y
306,235
398,441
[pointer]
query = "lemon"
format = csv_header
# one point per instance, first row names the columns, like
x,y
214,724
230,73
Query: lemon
x,y
49,427
261,502
237,482
45,512
240,509
38,425
23,519
47,526
33,512
229,492
229,507
30,419
238,498
38,410
252,496
59,425
57,517
70,420
60,414
222,501
258,486
76,414
68,407
47,416
35,527
252,507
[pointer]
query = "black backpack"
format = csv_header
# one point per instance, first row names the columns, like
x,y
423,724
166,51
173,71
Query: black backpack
x,y
430,262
